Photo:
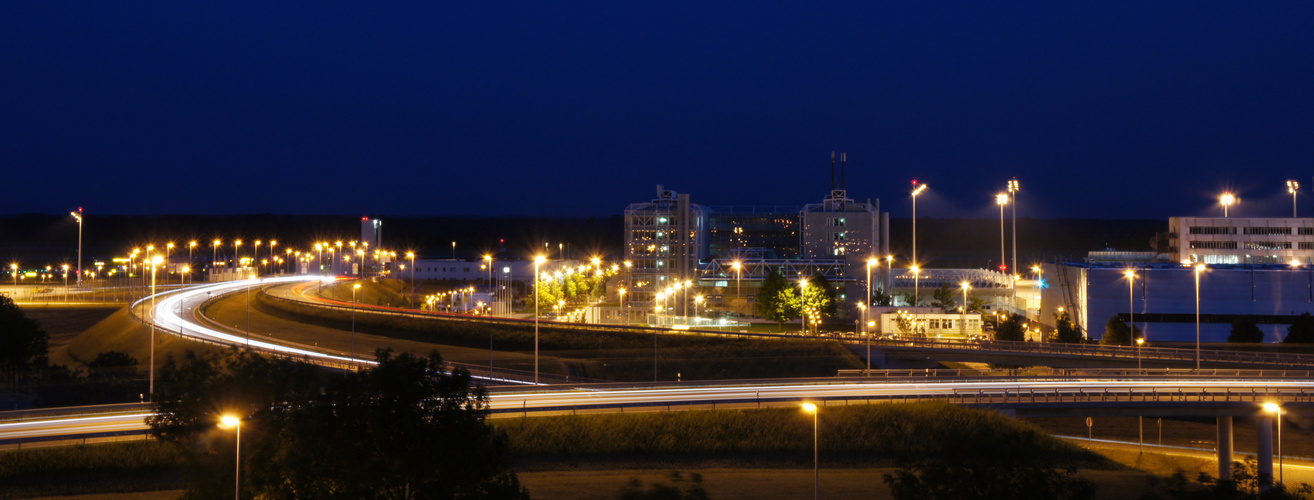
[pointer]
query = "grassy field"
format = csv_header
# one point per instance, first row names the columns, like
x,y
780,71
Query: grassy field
x,y
609,355
82,469
122,332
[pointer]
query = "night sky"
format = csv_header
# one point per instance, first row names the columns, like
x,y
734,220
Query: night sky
x,y
1101,109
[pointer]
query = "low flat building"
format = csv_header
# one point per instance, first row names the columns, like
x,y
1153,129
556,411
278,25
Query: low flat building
x,y
1240,240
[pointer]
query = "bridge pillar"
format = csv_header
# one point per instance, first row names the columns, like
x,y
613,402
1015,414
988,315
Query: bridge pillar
x,y
1265,447
1224,448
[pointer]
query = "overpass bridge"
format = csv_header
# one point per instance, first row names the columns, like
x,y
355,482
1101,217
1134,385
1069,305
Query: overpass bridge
x,y
1220,394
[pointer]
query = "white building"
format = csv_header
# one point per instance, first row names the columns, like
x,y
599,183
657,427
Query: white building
x,y
1236,240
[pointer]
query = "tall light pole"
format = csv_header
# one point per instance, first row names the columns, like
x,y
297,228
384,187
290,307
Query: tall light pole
x,y
698,299
411,256
1293,187
168,248
871,261
237,256
625,317
917,189
214,259
1277,410
1131,309
1013,188
737,266
231,422
802,306
1199,268
353,323
1001,199
155,261
1227,200
1140,341
78,215
863,330
963,326
538,260
488,259
816,453
917,278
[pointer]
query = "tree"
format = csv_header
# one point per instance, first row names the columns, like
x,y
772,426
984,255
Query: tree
x,y
880,298
1245,330
776,300
23,343
818,299
1117,333
403,429
1011,329
634,489
975,304
112,364
1065,332
943,298
1301,330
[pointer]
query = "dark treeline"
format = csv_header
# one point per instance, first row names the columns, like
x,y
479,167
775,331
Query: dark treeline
x,y
43,237
941,242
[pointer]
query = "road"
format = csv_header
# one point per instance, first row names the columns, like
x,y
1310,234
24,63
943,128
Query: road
x,y
1237,396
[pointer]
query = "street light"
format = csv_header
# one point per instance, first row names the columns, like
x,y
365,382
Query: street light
x,y
917,189
155,261
917,278
353,322
1227,200
411,255
1013,188
78,215
538,260
488,258
816,455
1001,199
698,299
231,422
863,330
963,327
1131,307
1140,341
802,306
737,267
1199,268
1293,187
1277,410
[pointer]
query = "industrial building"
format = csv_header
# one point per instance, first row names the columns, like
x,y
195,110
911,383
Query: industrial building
x,y
1223,240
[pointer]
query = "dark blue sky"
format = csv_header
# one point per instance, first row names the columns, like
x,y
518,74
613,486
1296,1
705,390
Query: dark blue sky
x,y
1105,109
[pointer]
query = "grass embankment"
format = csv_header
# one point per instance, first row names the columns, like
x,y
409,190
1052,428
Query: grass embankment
x,y
859,434
611,355
83,469
124,333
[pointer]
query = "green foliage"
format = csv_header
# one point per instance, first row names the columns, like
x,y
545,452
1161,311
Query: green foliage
x,y
1246,483
776,299
633,490
893,431
112,364
976,304
947,477
23,343
1011,329
943,298
85,469
1117,333
1301,330
1245,330
880,298
403,429
1065,332
818,300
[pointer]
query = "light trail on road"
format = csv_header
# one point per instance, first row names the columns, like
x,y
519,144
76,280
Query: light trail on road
x,y
166,316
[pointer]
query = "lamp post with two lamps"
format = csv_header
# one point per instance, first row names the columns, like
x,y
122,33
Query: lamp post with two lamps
x,y
1276,409
232,422
816,455
1293,187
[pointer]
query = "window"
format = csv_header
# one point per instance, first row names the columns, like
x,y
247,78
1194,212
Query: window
x,y
933,324
840,236
1212,230
1216,245
1268,245
1305,231
1305,245
836,221
1267,230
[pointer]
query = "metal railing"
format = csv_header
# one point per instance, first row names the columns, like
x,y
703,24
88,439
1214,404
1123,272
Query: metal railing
x,y
1101,351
